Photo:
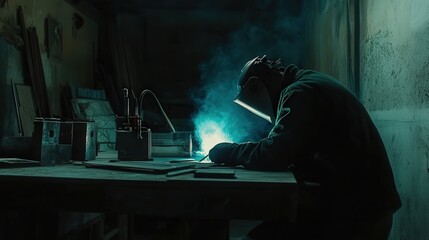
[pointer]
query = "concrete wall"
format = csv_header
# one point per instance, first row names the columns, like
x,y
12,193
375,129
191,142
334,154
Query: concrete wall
x,y
394,86
330,39
77,64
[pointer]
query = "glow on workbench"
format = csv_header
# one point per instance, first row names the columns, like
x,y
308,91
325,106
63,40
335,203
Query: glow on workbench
x,y
209,134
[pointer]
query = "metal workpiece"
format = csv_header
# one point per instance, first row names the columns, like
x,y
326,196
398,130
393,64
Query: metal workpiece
x,y
84,140
65,142
58,142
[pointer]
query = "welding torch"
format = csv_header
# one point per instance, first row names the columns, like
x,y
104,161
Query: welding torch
x,y
202,159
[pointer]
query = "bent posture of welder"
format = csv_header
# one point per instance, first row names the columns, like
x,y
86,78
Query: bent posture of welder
x,y
325,136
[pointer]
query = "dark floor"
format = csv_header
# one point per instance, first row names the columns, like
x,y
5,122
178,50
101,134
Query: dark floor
x,y
86,226
212,230
239,228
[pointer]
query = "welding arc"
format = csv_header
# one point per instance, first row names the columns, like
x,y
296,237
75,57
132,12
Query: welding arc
x,y
159,105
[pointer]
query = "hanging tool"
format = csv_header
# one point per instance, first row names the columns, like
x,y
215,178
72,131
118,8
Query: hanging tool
x,y
126,103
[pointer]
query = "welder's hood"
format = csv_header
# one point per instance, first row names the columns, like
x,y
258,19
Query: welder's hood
x,y
253,93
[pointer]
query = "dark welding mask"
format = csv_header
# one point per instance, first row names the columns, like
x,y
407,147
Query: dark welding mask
x,y
254,95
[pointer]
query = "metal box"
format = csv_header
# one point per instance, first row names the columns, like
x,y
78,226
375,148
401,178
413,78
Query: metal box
x,y
84,141
52,141
133,141
134,146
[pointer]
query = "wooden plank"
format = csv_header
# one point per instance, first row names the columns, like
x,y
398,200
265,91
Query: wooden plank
x,y
26,108
40,76
30,77
18,114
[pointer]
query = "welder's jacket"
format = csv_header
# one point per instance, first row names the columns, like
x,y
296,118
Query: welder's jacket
x,y
325,135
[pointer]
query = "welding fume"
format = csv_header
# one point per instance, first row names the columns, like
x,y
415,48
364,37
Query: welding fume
x,y
217,119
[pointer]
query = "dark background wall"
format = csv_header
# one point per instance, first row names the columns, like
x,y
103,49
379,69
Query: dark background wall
x,y
75,68
190,55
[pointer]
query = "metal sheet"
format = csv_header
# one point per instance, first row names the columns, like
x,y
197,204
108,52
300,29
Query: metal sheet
x,y
178,144
84,141
52,141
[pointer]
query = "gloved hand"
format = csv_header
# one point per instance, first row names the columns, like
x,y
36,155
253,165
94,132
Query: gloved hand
x,y
222,153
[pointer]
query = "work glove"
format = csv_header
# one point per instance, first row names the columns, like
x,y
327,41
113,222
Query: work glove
x,y
223,153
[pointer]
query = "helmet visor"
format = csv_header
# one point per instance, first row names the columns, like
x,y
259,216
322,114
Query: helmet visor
x,y
254,97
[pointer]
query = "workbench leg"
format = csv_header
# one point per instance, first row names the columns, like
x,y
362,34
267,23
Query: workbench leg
x,y
123,227
209,229
97,230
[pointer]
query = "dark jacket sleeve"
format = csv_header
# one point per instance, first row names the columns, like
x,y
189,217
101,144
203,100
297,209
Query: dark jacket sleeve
x,y
291,137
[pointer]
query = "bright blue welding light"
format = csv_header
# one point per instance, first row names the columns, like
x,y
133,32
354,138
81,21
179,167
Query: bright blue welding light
x,y
210,133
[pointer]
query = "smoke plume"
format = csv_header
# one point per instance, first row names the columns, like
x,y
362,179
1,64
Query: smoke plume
x,y
276,33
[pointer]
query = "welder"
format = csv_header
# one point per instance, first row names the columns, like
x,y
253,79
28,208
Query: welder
x,y
324,135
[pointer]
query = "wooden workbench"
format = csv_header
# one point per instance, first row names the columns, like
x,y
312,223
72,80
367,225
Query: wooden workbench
x,y
251,195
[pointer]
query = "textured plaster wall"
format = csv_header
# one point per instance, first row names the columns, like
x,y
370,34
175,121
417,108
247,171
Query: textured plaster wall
x,y
76,67
395,54
395,88
406,135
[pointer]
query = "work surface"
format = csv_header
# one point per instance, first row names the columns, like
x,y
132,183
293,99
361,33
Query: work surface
x,y
250,195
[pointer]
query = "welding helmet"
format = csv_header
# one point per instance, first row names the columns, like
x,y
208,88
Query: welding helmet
x,y
258,86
